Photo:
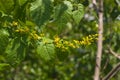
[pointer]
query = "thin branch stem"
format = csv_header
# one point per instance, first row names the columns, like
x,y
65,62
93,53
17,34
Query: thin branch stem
x,y
95,6
112,72
99,50
113,53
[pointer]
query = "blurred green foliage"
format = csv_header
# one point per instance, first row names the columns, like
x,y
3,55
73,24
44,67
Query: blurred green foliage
x,y
27,54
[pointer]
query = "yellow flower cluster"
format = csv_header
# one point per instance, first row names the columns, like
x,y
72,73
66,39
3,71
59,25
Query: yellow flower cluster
x,y
18,28
14,24
65,45
88,40
62,44
59,43
22,30
35,36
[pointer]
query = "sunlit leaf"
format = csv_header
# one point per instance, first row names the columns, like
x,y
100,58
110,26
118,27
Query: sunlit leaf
x,y
46,50
78,14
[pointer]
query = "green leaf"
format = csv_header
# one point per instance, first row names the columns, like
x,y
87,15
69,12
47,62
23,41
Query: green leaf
x,y
62,16
30,24
41,13
15,52
78,14
3,66
69,6
46,50
3,40
6,6
22,2
59,10
21,10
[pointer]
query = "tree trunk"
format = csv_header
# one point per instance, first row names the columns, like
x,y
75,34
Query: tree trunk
x,y
99,46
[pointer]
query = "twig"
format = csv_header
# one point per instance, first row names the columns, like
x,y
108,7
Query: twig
x,y
106,64
112,72
113,53
95,6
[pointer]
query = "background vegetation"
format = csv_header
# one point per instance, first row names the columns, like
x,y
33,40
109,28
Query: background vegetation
x,y
56,39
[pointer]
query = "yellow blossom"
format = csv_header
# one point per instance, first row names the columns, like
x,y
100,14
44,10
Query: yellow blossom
x,y
42,34
96,34
82,42
72,45
17,30
56,39
14,23
26,29
76,42
66,42
35,36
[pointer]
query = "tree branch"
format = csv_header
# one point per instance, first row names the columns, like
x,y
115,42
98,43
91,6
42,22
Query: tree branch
x,y
112,72
99,46
113,53
95,6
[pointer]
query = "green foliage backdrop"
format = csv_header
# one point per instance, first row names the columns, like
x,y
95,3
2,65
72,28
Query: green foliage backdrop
x,y
55,39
